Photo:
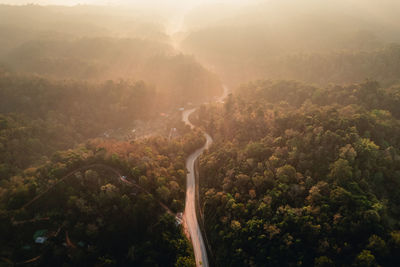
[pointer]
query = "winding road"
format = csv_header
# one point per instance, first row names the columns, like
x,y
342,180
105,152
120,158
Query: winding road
x,y
200,252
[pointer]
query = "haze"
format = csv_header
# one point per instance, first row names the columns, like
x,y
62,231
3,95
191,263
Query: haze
x,y
200,133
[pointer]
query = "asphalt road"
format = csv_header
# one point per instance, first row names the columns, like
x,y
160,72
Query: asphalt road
x,y
200,252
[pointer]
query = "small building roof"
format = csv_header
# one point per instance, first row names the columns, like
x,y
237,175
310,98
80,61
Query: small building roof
x,y
40,240
39,233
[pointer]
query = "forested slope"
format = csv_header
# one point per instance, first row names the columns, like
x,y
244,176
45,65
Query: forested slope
x,y
107,203
302,175
39,116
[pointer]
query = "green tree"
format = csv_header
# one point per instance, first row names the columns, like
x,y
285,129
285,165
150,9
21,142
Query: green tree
x,y
365,259
341,171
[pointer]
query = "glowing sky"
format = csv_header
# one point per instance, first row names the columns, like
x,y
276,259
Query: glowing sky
x,y
121,2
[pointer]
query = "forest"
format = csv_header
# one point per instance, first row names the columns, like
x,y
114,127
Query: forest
x,y
303,175
61,151
199,133
73,173
103,203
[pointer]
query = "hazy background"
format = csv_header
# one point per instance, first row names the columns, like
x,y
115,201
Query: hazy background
x,y
311,41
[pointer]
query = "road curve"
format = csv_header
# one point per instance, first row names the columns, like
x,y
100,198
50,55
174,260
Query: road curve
x,y
200,252
199,248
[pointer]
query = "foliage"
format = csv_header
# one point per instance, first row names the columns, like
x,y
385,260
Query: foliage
x,y
39,116
301,175
94,216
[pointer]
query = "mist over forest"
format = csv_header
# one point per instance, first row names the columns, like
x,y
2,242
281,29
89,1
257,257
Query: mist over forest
x,y
200,133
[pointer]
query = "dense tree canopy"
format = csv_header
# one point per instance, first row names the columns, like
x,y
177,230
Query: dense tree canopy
x,y
103,203
304,176
38,116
